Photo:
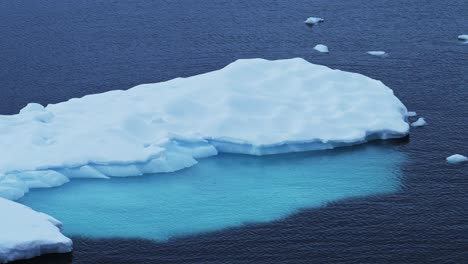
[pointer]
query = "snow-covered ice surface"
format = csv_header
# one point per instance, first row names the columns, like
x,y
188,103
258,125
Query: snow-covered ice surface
x,y
463,37
252,106
313,20
456,158
321,48
420,122
25,233
378,53
222,191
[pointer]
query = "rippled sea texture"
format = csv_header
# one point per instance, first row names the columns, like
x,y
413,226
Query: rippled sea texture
x,y
53,50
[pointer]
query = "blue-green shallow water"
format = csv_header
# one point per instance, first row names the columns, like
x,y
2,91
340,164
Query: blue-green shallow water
x,y
219,192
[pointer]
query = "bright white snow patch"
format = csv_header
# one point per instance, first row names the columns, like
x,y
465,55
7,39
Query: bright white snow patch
x,y
313,20
321,48
252,106
378,53
463,37
25,233
420,122
456,158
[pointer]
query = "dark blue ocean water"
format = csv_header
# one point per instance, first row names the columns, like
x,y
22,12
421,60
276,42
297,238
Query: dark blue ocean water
x,y
51,51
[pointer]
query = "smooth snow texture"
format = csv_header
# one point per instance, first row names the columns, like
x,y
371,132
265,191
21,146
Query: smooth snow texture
x,y
25,233
463,37
223,191
313,20
456,158
378,53
321,48
420,122
252,106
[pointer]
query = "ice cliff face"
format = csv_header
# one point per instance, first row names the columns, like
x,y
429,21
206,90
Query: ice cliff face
x,y
252,106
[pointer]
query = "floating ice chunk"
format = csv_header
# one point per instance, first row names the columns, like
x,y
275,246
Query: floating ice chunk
x,y
25,233
321,48
411,114
463,37
378,53
313,20
242,108
456,158
420,122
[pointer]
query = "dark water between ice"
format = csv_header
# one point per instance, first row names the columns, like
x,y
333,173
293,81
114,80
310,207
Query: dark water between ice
x,y
51,51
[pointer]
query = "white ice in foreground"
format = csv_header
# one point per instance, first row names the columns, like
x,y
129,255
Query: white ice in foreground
x,y
420,122
378,53
321,48
252,106
25,233
463,38
456,158
313,20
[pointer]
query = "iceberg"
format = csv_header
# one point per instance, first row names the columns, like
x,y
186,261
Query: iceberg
x,y
411,114
313,20
456,158
420,122
251,106
25,233
378,53
321,48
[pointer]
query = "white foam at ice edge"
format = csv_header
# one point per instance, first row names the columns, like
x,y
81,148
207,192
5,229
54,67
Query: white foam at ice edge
x,y
456,158
251,106
313,20
25,233
321,48
420,122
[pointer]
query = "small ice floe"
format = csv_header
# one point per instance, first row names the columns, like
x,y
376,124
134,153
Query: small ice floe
x,y
463,38
456,158
313,20
321,48
378,53
411,114
420,122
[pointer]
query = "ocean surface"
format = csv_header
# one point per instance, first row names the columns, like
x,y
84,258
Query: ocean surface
x,y
51,51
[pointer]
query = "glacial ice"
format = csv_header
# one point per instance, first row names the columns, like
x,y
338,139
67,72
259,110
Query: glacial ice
x,y
378,53
25,233
456,158
313,20
321,48
420,122
251,106
411,114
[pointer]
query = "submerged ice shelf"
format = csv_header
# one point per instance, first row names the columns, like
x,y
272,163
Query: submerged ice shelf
x,y
228,190
252,106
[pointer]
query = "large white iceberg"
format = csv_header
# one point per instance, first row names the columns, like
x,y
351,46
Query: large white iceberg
x,y
25,233
252,106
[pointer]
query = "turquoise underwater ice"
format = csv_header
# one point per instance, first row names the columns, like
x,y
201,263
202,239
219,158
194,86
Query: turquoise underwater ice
x,y
220,192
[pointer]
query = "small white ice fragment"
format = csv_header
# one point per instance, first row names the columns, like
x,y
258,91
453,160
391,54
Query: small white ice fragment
x,y
378,53
456,158
411,114
321,48
313,20
463,37
420,122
